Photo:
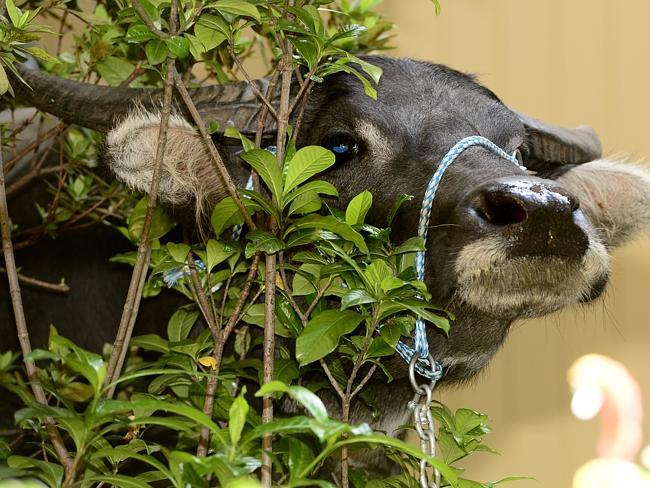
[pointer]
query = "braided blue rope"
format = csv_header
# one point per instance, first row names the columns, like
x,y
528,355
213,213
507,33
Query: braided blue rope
x,y
423,366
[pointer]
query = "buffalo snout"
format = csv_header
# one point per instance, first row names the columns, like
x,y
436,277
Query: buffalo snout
x,y
537,217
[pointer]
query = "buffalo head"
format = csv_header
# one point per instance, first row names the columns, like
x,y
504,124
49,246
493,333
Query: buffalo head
x,y
504,243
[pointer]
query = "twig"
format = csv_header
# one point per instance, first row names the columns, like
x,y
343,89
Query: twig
x,y
137,6
268,357
318,297
217,354
44,285
333,381
287,289
54,131
137,71
260,95
363,382
200,297
215,158
23,334
134,295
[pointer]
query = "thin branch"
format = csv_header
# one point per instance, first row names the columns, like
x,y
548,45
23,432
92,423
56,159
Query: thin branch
x,y
217,354
268,358
200,298
23,334
319,295
54,131
256,90
305,85
139,276
289,292
363,382
44,285
137,6
215,158
333,381
132,302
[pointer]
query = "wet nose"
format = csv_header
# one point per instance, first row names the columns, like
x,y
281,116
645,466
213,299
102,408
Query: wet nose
x,y
539,218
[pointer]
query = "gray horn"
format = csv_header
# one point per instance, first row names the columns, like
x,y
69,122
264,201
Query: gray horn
x,y
551,146
99,107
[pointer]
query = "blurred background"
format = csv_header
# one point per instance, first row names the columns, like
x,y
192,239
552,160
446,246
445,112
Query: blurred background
x,y
567,62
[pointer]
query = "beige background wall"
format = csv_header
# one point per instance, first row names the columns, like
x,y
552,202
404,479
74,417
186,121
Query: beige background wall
x,y
567,62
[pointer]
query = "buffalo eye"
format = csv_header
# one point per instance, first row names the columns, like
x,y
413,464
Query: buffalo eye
x,y
343,145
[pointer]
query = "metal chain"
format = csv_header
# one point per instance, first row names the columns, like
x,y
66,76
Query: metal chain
x,y
423,421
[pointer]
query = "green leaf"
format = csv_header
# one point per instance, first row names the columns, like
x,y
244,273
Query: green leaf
x,y
180,324
237,417
14,13
150,342
178,252
207,33
178,46
285,370
152,12
307,202
123,453
233,132
321,335
262,240
114,70
356,297
237,7
117,480
139,33
411,245
302,395
217,252
197,49
105,407
156,51
318,186
89,365
331,224
4,81
376,273
358,208
161,222
300,456
308,49
50,473
401,200
307,162
266,165
42,55
227,214
373,71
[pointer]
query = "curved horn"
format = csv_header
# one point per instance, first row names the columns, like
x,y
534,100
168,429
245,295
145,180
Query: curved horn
x,y
98,107
551,146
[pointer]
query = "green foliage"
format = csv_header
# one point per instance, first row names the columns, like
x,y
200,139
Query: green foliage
x,y
345,296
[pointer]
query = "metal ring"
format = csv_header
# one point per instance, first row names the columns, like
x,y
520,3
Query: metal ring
x,y
414,359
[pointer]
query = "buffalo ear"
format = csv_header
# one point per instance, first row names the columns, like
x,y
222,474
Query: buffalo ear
x,y
187,178
550,146
615,197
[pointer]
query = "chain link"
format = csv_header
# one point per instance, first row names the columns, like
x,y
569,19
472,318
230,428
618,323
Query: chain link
x,y
423,421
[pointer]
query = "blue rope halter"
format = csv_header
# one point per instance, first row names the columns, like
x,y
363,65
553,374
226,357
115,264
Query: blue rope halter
x,y
423,364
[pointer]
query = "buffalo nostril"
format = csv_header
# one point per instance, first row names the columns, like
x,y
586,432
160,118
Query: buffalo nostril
x,y
501,209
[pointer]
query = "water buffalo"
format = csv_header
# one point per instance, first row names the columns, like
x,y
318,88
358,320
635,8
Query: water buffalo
x,y
504,243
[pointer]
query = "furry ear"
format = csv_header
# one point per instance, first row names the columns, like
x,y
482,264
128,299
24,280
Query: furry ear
x,y
187,177
615,196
